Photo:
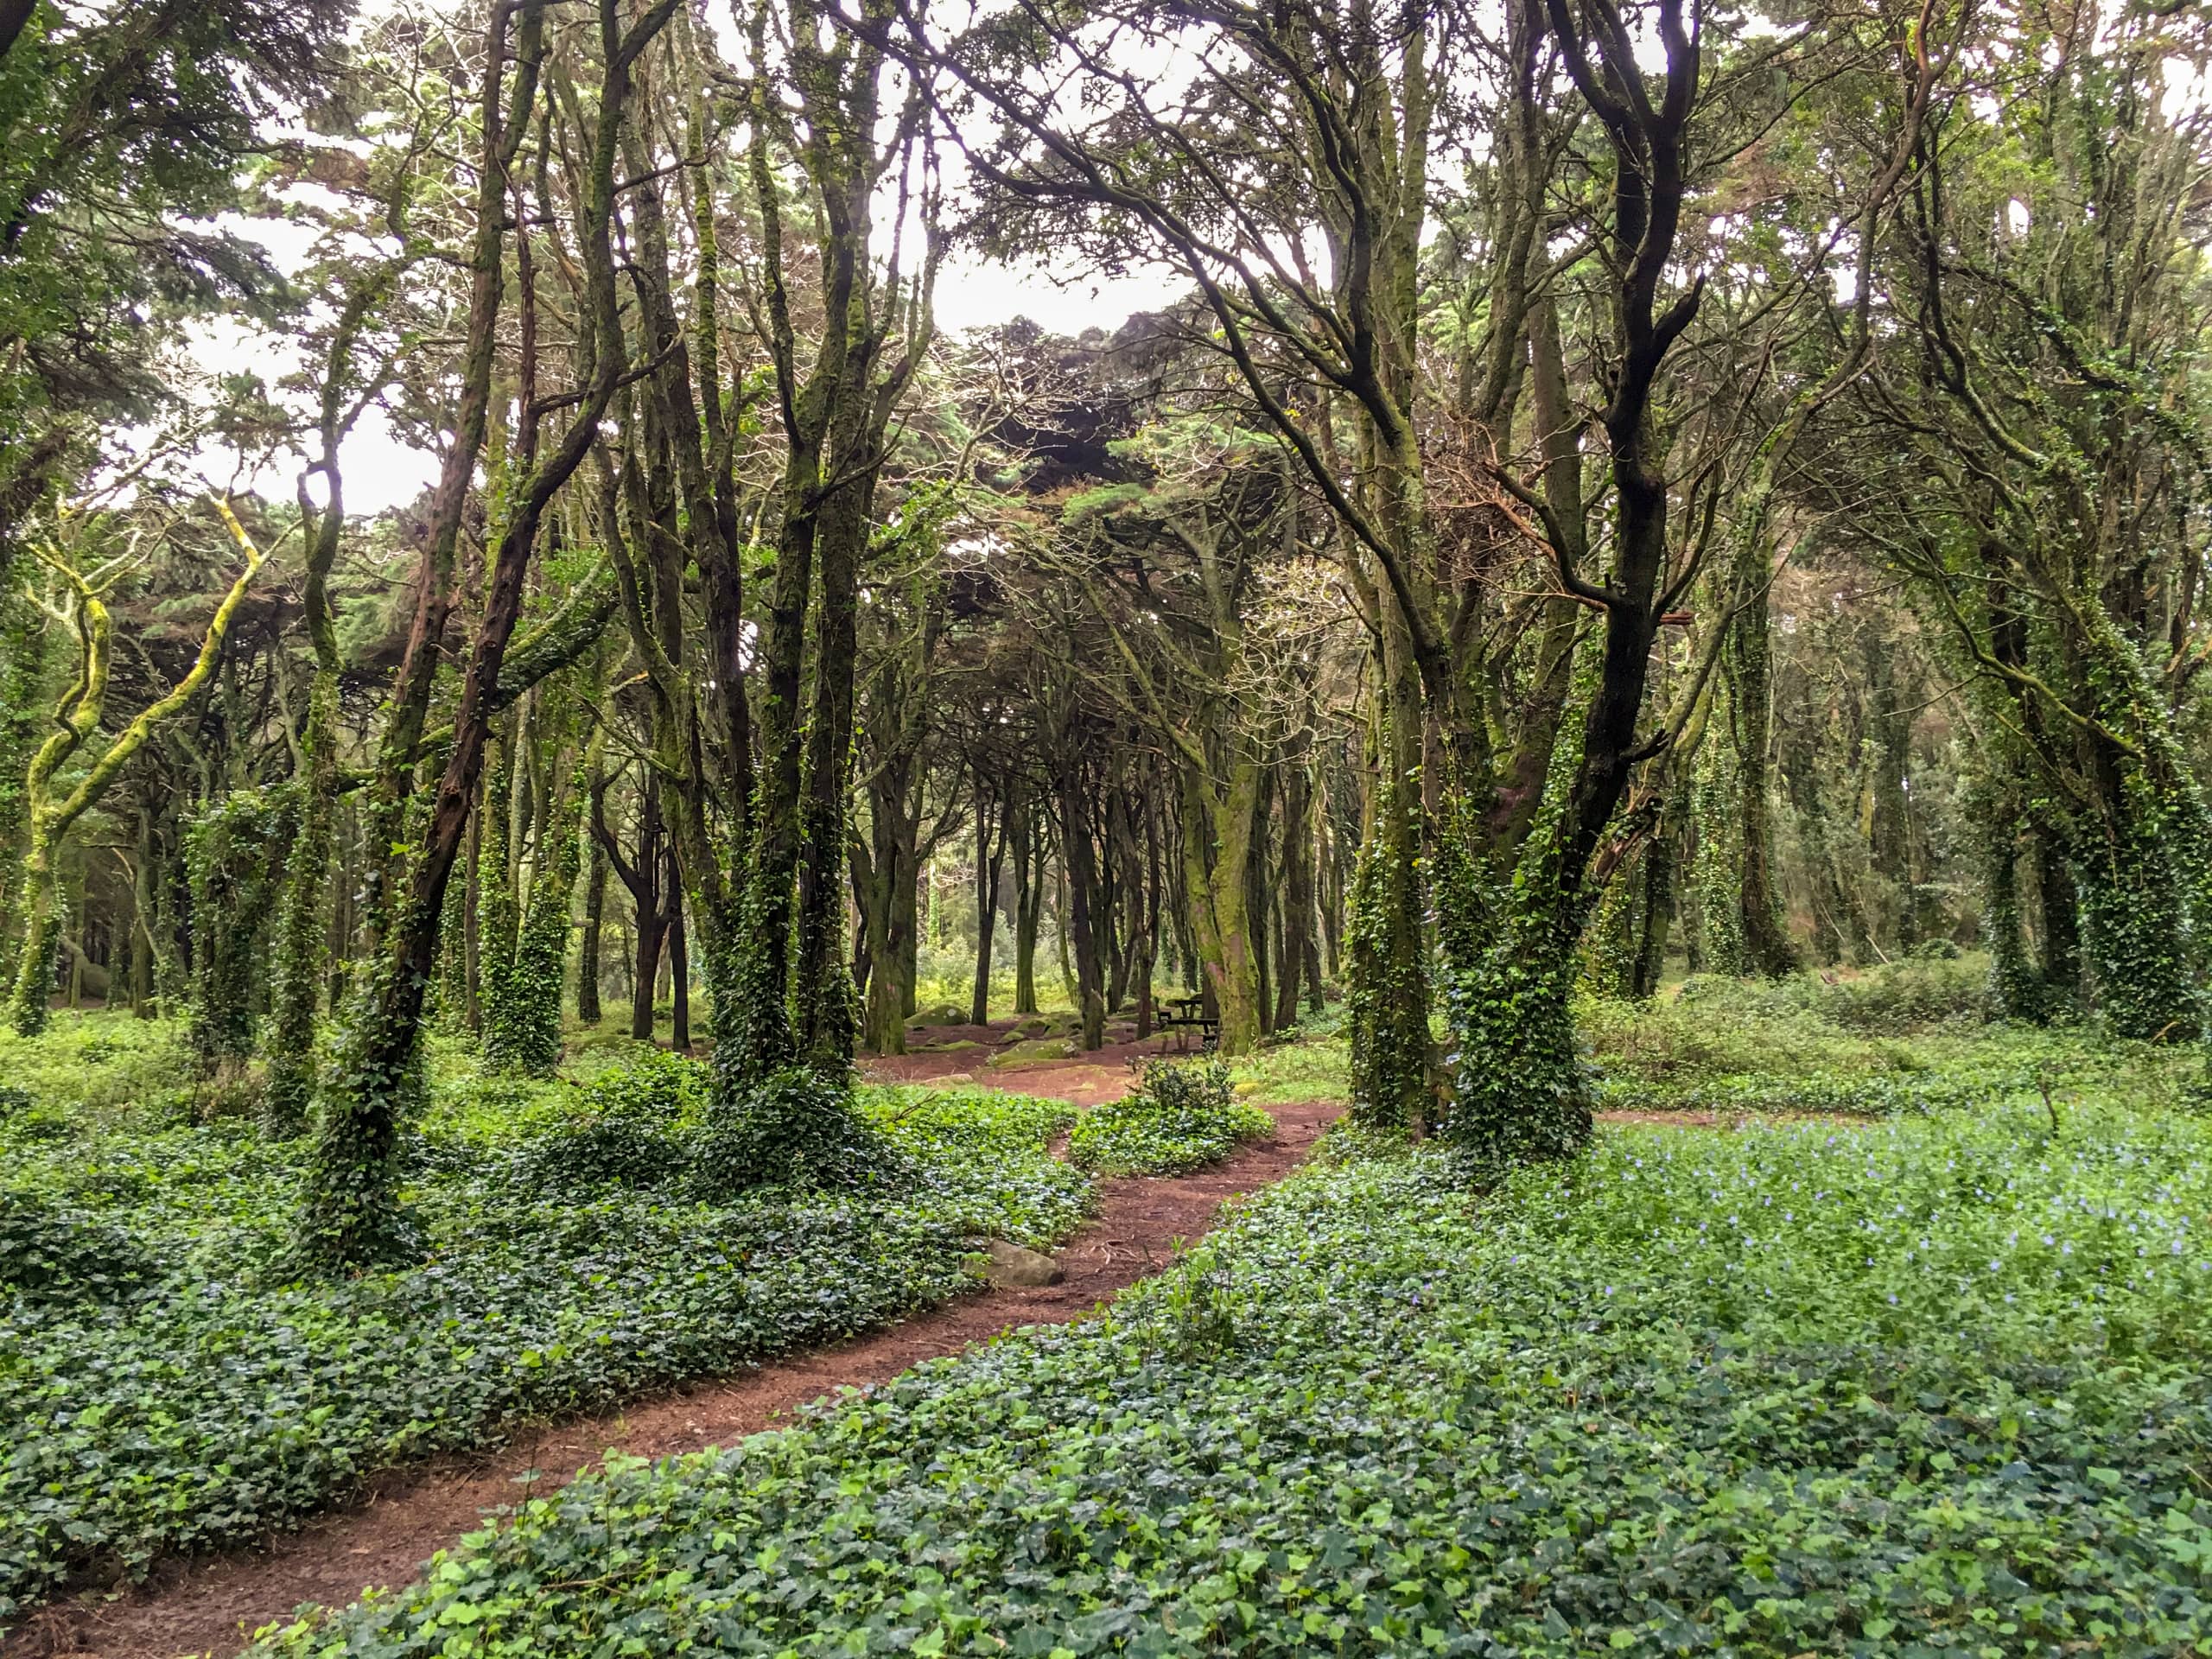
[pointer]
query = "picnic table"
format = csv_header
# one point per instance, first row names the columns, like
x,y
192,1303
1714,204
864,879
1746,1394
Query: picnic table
x,y
1184,1013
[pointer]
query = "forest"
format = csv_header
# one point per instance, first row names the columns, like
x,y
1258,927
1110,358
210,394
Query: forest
x,y
1064,827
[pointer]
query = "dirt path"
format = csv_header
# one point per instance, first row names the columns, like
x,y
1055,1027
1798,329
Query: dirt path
x,y
214,1604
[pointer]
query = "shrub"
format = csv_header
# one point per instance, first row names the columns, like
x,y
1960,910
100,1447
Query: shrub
x,y
635,1124
598,1149
1912,994
651,1083
1182,1115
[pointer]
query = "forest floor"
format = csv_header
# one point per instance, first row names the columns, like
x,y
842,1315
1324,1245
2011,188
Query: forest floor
x,y
214,1604
955,1054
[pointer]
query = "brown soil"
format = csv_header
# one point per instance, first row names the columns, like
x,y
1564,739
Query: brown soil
x,y
1106,1074
214,1604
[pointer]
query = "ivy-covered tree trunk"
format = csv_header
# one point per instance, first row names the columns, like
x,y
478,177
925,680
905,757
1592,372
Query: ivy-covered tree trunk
x,y
1300,954
236,853
350,1210
1656,905
1719,895
525,954
1218,831
302,924
1386,961
2138,923
1887,813
1609,942
2058,911
2012,973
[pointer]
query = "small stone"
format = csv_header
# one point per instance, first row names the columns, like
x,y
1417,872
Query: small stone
x,y
1012,1266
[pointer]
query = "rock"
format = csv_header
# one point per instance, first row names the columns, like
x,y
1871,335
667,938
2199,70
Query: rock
x,y
1041,1048
952,1047
1037,1024
939,1013
1012,1266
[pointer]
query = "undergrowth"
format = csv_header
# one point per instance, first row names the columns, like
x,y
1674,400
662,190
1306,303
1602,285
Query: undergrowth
x,y
1930,1386
1182,1115
166,1387
1909,1038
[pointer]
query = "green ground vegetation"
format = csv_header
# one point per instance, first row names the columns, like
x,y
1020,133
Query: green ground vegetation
x,y
1925,1385
171,1384
1180,1117
1911,1037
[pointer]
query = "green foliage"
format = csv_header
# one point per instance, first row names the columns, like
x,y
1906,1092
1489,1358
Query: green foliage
x,y
350,1214
1916,1387
978,1159
525,950
1182,1115
1315,1067
102,1066
1921,993
301,931
166,1387
51,1253
1519,1088
1715,871
795,1128
1889,1042
1386,960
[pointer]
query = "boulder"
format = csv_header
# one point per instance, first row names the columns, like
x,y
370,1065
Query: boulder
x,y
939,1013
1012,1267
1040,1048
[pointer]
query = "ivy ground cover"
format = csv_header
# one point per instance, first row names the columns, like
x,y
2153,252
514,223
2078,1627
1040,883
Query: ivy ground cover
x,y
1915,1037
1929,1386
164,1385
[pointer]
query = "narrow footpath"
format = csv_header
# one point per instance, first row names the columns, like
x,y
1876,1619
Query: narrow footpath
x,y
214,1604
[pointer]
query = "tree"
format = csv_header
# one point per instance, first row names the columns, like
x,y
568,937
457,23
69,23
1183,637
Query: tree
x,y
77,600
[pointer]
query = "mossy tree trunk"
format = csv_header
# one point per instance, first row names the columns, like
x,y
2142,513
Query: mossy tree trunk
x,y
80,607
349,1212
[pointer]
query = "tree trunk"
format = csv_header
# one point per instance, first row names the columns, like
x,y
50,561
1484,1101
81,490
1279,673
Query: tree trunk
x,y
1259,891
1078,859
589,1012
679,973
989,857
1300,953
1028,901
1767,948
1659,855
2057,908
